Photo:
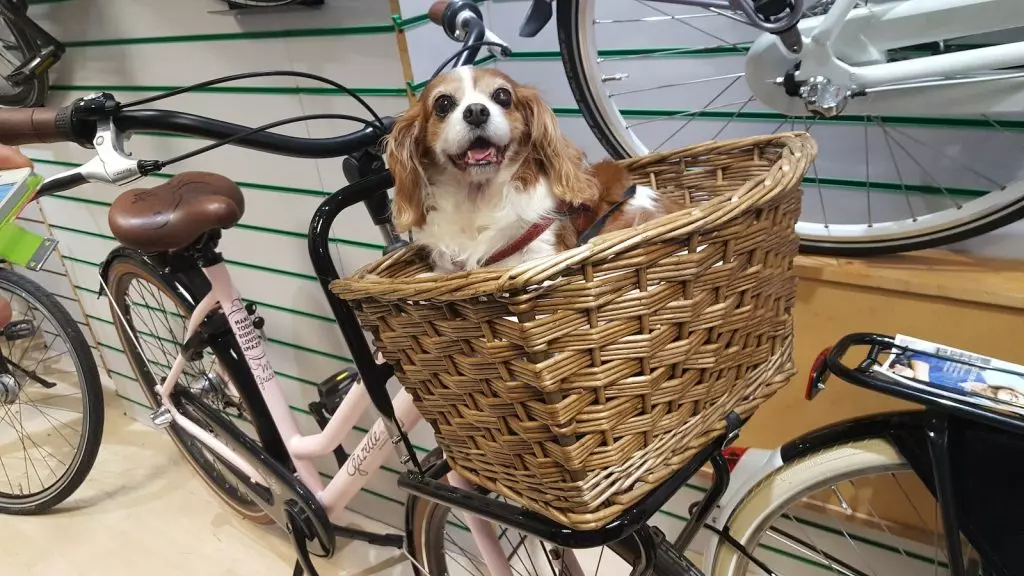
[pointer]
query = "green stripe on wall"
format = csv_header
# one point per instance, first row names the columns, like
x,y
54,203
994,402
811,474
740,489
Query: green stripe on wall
x,y
660,51
337,357
309,277
769,116
255,186
257,302
273,90
229,36
262,229
166,175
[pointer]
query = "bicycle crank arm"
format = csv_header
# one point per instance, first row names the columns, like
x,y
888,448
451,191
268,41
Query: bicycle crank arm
x,y
290,503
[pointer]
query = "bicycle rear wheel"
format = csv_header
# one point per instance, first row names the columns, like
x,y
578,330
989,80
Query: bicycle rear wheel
x,y
51,400
16,48
154,323
881,184
849,509
442,544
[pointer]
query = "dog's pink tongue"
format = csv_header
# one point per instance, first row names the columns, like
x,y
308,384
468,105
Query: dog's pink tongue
x,y
481,155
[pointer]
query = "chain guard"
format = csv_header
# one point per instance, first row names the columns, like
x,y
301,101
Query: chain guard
x,y
286,498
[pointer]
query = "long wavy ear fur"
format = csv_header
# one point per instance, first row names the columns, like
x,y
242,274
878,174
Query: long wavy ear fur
x,y
558,157
403,158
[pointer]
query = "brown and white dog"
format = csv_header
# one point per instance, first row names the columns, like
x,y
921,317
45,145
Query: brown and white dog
x,y
484,177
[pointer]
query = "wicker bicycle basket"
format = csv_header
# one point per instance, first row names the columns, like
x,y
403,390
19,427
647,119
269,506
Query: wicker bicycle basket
x,y
576,383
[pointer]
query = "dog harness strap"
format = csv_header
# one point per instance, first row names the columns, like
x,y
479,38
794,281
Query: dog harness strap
x,y
517,245
541,226
598,224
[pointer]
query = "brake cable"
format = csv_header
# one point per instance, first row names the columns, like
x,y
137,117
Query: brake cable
x,y
245,75
505,52
149,166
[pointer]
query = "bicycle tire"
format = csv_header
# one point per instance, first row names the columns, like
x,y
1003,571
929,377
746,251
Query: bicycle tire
x,y
570,43
260,3
426,520
566,16
31,94
92,399
791,482
121,271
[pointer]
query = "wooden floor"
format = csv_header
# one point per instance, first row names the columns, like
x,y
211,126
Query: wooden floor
x,y
142,511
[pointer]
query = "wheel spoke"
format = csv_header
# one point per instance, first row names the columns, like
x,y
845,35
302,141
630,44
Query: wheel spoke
x,y
687,123
674,85
693,113
734,116
653,18
931,177
947,155
896,166
867,174
689,25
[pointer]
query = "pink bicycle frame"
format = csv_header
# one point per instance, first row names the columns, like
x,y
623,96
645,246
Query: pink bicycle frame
x,y
367,458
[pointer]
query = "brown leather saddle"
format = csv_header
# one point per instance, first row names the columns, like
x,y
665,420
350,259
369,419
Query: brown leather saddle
x,y
172,215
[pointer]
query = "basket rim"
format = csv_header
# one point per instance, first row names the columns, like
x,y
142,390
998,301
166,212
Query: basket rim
x,y
797,148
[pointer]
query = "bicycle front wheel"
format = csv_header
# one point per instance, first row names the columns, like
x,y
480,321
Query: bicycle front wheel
x,y
649,76
851,509
51,400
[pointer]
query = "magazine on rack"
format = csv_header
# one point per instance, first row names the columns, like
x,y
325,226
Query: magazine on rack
x,y
978,379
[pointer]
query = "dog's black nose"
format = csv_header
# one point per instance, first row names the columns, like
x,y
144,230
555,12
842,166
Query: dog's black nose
x,y
476,115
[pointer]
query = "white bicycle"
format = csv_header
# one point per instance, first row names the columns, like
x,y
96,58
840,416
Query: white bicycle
x,y
917,103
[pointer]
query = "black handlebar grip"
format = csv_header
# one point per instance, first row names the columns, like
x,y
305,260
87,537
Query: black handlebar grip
x,y
35,125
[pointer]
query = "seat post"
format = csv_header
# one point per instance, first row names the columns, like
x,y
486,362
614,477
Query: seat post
x,y
204,249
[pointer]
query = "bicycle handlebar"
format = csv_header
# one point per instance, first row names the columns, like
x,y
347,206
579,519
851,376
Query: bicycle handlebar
x,y
19,126
172,122
35,125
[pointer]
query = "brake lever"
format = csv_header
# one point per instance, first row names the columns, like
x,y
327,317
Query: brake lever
x,y
111,165
500,52
537,17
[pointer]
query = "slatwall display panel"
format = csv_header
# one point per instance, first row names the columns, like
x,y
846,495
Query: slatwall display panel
x,y
152,47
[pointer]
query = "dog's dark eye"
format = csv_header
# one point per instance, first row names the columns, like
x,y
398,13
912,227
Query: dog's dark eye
x,y
443,105
502,97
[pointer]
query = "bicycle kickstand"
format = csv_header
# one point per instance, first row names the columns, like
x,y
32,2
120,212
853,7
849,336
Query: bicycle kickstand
x,y
297,532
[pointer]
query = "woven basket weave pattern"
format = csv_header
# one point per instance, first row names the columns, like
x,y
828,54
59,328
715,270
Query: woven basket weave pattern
x,y
574,384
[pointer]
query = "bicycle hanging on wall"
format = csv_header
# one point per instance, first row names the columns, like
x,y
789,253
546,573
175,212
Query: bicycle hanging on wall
x,y
917,104
27,52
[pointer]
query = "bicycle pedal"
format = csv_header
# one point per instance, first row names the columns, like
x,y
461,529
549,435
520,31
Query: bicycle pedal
x,y
161,417
19,330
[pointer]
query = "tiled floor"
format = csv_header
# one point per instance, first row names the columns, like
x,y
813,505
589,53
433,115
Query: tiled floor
x,y
142,511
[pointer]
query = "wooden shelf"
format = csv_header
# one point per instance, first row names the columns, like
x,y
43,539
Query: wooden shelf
x,y
936,273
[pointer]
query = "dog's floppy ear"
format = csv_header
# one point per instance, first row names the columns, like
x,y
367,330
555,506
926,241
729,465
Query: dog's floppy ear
x,y
559,158
403,158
